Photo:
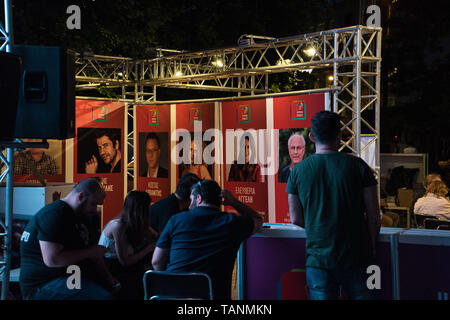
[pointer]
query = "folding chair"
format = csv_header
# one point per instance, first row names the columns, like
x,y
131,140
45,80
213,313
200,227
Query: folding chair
x,y
420,219
164,285
436,223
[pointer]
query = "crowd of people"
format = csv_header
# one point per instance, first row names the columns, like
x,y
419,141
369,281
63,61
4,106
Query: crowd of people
x,y
333,195
140,238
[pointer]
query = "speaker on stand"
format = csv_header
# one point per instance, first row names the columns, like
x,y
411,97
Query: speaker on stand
x,y
46,105
11,69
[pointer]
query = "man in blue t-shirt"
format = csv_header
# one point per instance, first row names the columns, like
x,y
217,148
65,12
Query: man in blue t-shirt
x,y
205,239
333,195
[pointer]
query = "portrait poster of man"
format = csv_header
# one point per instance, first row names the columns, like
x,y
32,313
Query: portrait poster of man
x,y
99,150
153,154
48,163
294,146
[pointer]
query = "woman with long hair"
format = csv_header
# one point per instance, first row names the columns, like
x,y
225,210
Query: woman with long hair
x,y
130,242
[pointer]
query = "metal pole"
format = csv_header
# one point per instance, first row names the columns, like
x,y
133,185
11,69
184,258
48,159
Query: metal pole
x,y
378,110
8,25
335,71
357,106
240,272
395,266
10,175
8,223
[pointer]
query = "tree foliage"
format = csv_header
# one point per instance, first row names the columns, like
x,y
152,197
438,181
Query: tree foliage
x,y
134,28
415,46
416,60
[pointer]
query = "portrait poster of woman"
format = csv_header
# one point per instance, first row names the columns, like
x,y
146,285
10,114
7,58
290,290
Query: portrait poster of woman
x,y
195,161
245,168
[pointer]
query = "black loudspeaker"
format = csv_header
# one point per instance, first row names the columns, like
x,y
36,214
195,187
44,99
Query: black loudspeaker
x,y
10,71
46,107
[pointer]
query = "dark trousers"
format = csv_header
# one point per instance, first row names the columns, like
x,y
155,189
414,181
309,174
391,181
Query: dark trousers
x,y
57,289
130,279
325,284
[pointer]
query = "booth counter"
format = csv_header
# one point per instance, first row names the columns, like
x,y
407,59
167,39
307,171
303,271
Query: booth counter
x,y
413,264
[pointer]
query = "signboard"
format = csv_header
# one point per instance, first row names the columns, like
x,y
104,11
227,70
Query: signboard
x,y
152,156
192,121
100,150
244,140
292,120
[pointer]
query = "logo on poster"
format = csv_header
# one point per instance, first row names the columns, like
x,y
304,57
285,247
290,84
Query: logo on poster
x,y
298,110
195,115
99,114
243,114
153,118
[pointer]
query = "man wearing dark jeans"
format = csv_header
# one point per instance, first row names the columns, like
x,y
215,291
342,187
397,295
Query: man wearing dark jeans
x,y
333,195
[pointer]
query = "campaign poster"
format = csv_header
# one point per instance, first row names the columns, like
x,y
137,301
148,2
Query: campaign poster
x,y
195,140
152,170
243,127
40,165
292,120
100,150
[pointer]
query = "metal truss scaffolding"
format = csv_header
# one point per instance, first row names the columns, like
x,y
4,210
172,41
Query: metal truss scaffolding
x,y
6,31
353,56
